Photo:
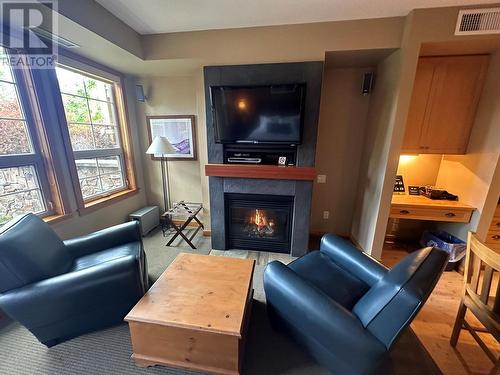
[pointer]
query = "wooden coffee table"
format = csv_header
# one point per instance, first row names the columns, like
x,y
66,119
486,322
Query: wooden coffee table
x,y
195,315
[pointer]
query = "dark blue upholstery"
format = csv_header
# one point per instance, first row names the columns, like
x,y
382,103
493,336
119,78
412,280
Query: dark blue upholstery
x,y
344,307
59,290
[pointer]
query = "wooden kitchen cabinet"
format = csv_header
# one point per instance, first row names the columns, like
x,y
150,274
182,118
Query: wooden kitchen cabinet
x,y
443,105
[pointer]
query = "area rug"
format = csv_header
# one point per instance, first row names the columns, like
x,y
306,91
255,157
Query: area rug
x,y
108,351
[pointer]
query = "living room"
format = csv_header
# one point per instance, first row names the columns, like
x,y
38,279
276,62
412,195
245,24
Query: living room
x,y
189,159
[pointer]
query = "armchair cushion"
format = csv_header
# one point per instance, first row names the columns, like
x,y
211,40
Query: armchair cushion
x,y
338,284
320,323
30,251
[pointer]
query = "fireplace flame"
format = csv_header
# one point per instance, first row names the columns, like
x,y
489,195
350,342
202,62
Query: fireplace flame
x,y
260,219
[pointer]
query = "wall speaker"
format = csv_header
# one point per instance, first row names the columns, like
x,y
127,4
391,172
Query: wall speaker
x,y
139,93
368,79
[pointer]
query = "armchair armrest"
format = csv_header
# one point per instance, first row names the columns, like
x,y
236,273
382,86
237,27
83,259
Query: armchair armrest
x,y
315,315
104,239
352,259
53,300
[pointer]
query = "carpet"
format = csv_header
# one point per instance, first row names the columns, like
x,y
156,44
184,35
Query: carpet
x,y
108,351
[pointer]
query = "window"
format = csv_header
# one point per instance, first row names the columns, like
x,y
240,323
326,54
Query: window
x,y
23,183
97,136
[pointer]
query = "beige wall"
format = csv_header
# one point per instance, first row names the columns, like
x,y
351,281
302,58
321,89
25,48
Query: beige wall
x,y
117,212
169,96
304,42
341,130
378,136
203,149
167,53
93,16
422,26
471,175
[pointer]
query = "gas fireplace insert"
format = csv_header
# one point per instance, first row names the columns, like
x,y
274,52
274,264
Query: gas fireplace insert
x,y
258,222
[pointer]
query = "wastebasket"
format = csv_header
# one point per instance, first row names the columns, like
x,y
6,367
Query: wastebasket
x,y
447,242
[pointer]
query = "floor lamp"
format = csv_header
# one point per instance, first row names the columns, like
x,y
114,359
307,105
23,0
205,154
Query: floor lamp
x,y
161,146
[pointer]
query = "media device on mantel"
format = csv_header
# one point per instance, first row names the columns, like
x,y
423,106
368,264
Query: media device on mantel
x,y
258,124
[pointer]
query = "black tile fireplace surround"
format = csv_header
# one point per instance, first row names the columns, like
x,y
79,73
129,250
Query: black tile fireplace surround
x,y
309,73
259,221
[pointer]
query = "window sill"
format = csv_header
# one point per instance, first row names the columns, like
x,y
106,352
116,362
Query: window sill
x,y
53,219
106,201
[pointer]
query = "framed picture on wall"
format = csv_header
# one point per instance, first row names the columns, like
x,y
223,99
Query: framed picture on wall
x,y
180,132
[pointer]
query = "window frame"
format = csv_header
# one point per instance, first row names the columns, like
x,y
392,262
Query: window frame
x,y
124,152
40,157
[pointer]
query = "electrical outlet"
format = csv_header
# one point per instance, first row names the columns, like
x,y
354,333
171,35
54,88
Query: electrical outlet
x,y
321,179
326,214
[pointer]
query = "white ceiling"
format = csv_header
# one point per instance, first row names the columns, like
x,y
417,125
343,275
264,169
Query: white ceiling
x,y
164,16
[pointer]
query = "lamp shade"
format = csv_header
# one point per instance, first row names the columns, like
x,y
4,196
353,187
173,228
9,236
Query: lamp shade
x,y
161,146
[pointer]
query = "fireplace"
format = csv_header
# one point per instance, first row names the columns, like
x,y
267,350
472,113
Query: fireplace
x,y
258,222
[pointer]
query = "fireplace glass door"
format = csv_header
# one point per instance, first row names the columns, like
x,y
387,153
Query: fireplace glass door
x,y
259,222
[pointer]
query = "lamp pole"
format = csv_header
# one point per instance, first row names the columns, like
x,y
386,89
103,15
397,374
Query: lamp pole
x,y
161,146
164,183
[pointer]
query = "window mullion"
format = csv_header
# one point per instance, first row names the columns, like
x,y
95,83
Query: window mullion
x,y
7,161
99,153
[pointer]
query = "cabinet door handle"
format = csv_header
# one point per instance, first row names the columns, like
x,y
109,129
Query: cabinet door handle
x,y
404,212
498,224
496,237
450,214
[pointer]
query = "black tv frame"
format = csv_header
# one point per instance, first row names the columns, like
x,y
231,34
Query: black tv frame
x,y
253,142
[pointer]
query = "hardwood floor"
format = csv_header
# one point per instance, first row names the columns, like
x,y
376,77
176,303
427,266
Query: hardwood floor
x,y
434,323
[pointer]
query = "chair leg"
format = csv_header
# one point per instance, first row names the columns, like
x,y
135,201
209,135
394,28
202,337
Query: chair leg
x,y
458,324
496,369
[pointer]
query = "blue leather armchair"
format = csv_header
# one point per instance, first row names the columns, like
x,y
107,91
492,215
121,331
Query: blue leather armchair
x,y
344,307
59,290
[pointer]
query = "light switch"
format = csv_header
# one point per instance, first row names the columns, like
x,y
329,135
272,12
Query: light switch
x,y
326,214
321,179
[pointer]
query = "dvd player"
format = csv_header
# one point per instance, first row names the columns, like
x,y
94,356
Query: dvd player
x,y
265,155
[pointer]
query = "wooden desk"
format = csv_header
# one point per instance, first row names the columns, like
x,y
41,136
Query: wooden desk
x,y
418,207
195,315
493,236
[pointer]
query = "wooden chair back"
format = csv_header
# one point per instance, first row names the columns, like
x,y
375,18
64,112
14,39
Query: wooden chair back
x,y
481,264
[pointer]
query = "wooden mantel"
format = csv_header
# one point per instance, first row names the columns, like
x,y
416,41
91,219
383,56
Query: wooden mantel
x,y
271,172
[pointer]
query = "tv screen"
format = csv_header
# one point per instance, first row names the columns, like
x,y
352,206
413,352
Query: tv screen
x,y
258,114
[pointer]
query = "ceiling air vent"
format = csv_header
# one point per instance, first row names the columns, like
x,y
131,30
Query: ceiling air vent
x,y
478,21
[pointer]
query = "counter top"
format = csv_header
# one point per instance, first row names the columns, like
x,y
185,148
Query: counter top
x,y
419,207
421,200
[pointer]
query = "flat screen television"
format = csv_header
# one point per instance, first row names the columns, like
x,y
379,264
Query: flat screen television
x,y
258,114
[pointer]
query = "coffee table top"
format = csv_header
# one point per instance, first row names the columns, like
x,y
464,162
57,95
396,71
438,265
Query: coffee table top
x,y
200,292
